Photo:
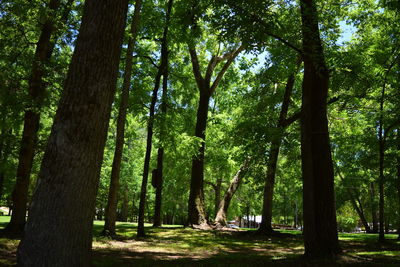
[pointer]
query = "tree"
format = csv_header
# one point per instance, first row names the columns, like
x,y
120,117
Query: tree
x,y
111,208
196,212
220,218
266,220
162,71
36,90
320,234
158,173
59,228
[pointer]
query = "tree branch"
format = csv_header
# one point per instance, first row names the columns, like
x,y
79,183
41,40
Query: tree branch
x,y
231,58
196,68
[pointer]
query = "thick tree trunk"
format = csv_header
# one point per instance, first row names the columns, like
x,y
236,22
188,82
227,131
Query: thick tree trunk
x,y
59,227
36,90
265,226
217,195
157,220
197,214
220,218
111,208
320,227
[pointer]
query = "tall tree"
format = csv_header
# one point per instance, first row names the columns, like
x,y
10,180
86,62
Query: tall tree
x,y
36,90
111,208
158,177
266,220
196,211
320,227
162,71
56,234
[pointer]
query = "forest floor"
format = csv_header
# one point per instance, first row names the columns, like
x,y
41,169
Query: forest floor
x,y
175,245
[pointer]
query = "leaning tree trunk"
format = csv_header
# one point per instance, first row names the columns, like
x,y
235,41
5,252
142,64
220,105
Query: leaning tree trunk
x,y
356,203
36,90
59,227
220,218
111,208
320,227
266,220
159,179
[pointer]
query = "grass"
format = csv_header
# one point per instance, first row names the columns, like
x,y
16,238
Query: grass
x,y
175,245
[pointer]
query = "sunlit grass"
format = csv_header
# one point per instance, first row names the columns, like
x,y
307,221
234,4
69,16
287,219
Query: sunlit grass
x,y
383,253
176,245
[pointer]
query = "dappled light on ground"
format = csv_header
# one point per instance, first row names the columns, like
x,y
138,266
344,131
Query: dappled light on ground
x,y
171,245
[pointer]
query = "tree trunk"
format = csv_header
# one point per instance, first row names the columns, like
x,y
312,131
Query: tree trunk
x,y
36,90
266,220
157,221
197,214
125,206
111,208
143,191
356,203
320,227
220,218
374,213
59,227
217,195
2,161
381,142
398,182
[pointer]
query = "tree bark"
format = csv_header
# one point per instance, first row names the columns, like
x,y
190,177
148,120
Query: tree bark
x,y
320,227
197,214
217,195
59,227
36,90
111,208
157,221
266,220
220,218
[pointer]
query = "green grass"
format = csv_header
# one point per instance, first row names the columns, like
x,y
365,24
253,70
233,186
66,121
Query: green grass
x,y
175,245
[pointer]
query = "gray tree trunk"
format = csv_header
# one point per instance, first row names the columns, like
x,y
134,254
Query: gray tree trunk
x,y
59,228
